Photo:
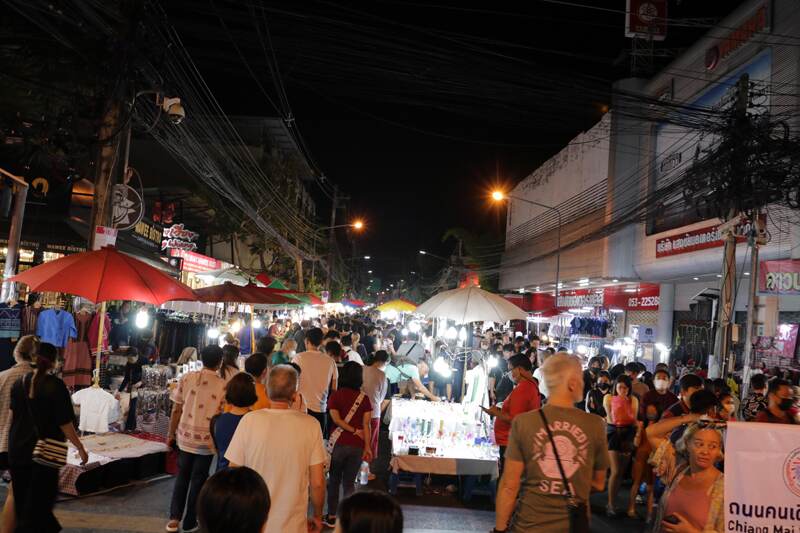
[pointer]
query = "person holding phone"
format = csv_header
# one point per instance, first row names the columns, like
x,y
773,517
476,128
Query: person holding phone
x,y
693,501
523,398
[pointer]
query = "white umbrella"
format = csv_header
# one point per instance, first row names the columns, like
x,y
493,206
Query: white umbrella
x,y
471,304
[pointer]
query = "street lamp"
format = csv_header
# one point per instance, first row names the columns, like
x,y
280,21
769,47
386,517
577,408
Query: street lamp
x,y
357,225
423,252
499,196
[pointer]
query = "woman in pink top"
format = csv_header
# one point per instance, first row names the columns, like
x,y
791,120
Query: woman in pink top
x,y
621,408
693,501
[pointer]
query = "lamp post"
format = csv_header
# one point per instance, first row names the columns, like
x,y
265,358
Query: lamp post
x,y
358,225
423,252
499,196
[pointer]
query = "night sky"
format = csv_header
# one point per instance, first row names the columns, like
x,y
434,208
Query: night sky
x,y
413,108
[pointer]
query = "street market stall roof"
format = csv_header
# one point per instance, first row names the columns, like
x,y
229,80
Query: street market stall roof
x,y
471,304
230,292
399,305
103,275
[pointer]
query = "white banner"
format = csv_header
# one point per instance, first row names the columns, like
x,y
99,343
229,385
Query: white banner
x,y
762,478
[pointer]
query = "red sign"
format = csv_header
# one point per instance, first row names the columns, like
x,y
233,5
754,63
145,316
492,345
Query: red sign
x,y
643,297
699,239
737,37
180,238
194,262
646,19
779,277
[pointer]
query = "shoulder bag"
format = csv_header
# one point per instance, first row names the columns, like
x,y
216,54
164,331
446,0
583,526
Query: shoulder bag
x,y
338,431
576,509
51,453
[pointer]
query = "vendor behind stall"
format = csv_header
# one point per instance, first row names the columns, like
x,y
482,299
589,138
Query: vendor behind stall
x,y
131,383
403,376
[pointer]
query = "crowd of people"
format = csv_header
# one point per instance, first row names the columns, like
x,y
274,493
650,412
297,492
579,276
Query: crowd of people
x,y
297,428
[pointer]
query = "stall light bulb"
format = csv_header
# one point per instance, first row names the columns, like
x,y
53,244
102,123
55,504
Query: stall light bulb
x,y
142,319
661,347
451,333
213,333
256,324
462,334
404,331
544,338
236,327
492,361
414,327
442,368
582,349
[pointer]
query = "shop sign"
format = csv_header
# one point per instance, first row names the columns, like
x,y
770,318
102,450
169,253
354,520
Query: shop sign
x,y
58,248
645,297
762,477
737,37
128,207
104,236
699,239
179,238
779,277
145,235
646,19
194,262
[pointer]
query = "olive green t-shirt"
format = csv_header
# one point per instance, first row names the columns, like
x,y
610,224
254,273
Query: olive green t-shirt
x,y
581,442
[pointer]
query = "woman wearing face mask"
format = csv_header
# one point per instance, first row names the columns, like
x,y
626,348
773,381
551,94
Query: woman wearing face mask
x,y
727,410
594,398
621,414
693,501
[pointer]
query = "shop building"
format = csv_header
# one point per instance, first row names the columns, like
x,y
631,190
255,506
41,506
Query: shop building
x,y
676,247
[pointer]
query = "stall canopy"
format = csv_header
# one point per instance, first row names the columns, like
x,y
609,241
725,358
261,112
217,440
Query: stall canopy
x,y
400,305
230,292
354,302
103,275
471,304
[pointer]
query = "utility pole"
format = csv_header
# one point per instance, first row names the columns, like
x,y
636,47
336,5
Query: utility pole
x,y
105,167
722,344
332,238
9,289
756,239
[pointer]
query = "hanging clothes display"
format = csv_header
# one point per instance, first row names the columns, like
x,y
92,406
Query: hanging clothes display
x,y
55,326
93,334
177,332
28,320
77,371
596,327
98,409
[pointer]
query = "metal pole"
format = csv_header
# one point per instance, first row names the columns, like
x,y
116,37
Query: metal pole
x,y
725,309
14,235
752,306
558,238
332,237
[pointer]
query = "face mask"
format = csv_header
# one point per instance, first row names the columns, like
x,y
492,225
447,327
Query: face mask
x,y
603,386
652,416
785,404
661,384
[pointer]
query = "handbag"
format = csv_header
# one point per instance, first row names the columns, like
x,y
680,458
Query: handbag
x,y
576,509
51,453
338,431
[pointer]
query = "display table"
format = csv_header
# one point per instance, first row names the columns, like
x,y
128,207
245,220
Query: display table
x,y
439,438
114,459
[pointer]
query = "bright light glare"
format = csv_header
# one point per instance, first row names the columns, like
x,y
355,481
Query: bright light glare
x,y
544,338
236,327
358,224
142,319
213,333
404,331
256,324
462,334
616,311
785,329
451,333
498,196
661,347
442,368
582,349
491,362
414,327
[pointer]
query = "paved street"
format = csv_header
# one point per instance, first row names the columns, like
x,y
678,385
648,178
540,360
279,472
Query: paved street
x,y
143,509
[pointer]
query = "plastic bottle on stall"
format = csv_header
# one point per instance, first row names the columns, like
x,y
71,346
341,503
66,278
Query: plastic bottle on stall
x,y
363,474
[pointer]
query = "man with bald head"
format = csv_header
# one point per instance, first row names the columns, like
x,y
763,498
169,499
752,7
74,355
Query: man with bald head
x,y
580,447
285,447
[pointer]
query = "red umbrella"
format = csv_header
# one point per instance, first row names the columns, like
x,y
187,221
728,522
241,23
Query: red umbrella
x,y
103,275
229,292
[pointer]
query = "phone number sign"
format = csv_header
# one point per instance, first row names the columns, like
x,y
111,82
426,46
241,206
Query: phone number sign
x,y
642,297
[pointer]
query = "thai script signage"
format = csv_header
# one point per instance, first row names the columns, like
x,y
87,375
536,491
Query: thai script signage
x,y
177,237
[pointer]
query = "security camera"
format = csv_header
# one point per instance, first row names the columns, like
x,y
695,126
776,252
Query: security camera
x,y
174,110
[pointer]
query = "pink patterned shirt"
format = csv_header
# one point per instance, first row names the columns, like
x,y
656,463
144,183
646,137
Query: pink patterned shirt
x,y
202,395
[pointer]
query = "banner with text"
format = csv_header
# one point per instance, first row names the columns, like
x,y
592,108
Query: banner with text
x,y
698,239
643,297
779,277
762,477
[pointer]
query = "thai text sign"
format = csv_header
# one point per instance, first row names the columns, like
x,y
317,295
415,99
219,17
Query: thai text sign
x,y
643,297
179,238
779,277
699,239
762,477
194,262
